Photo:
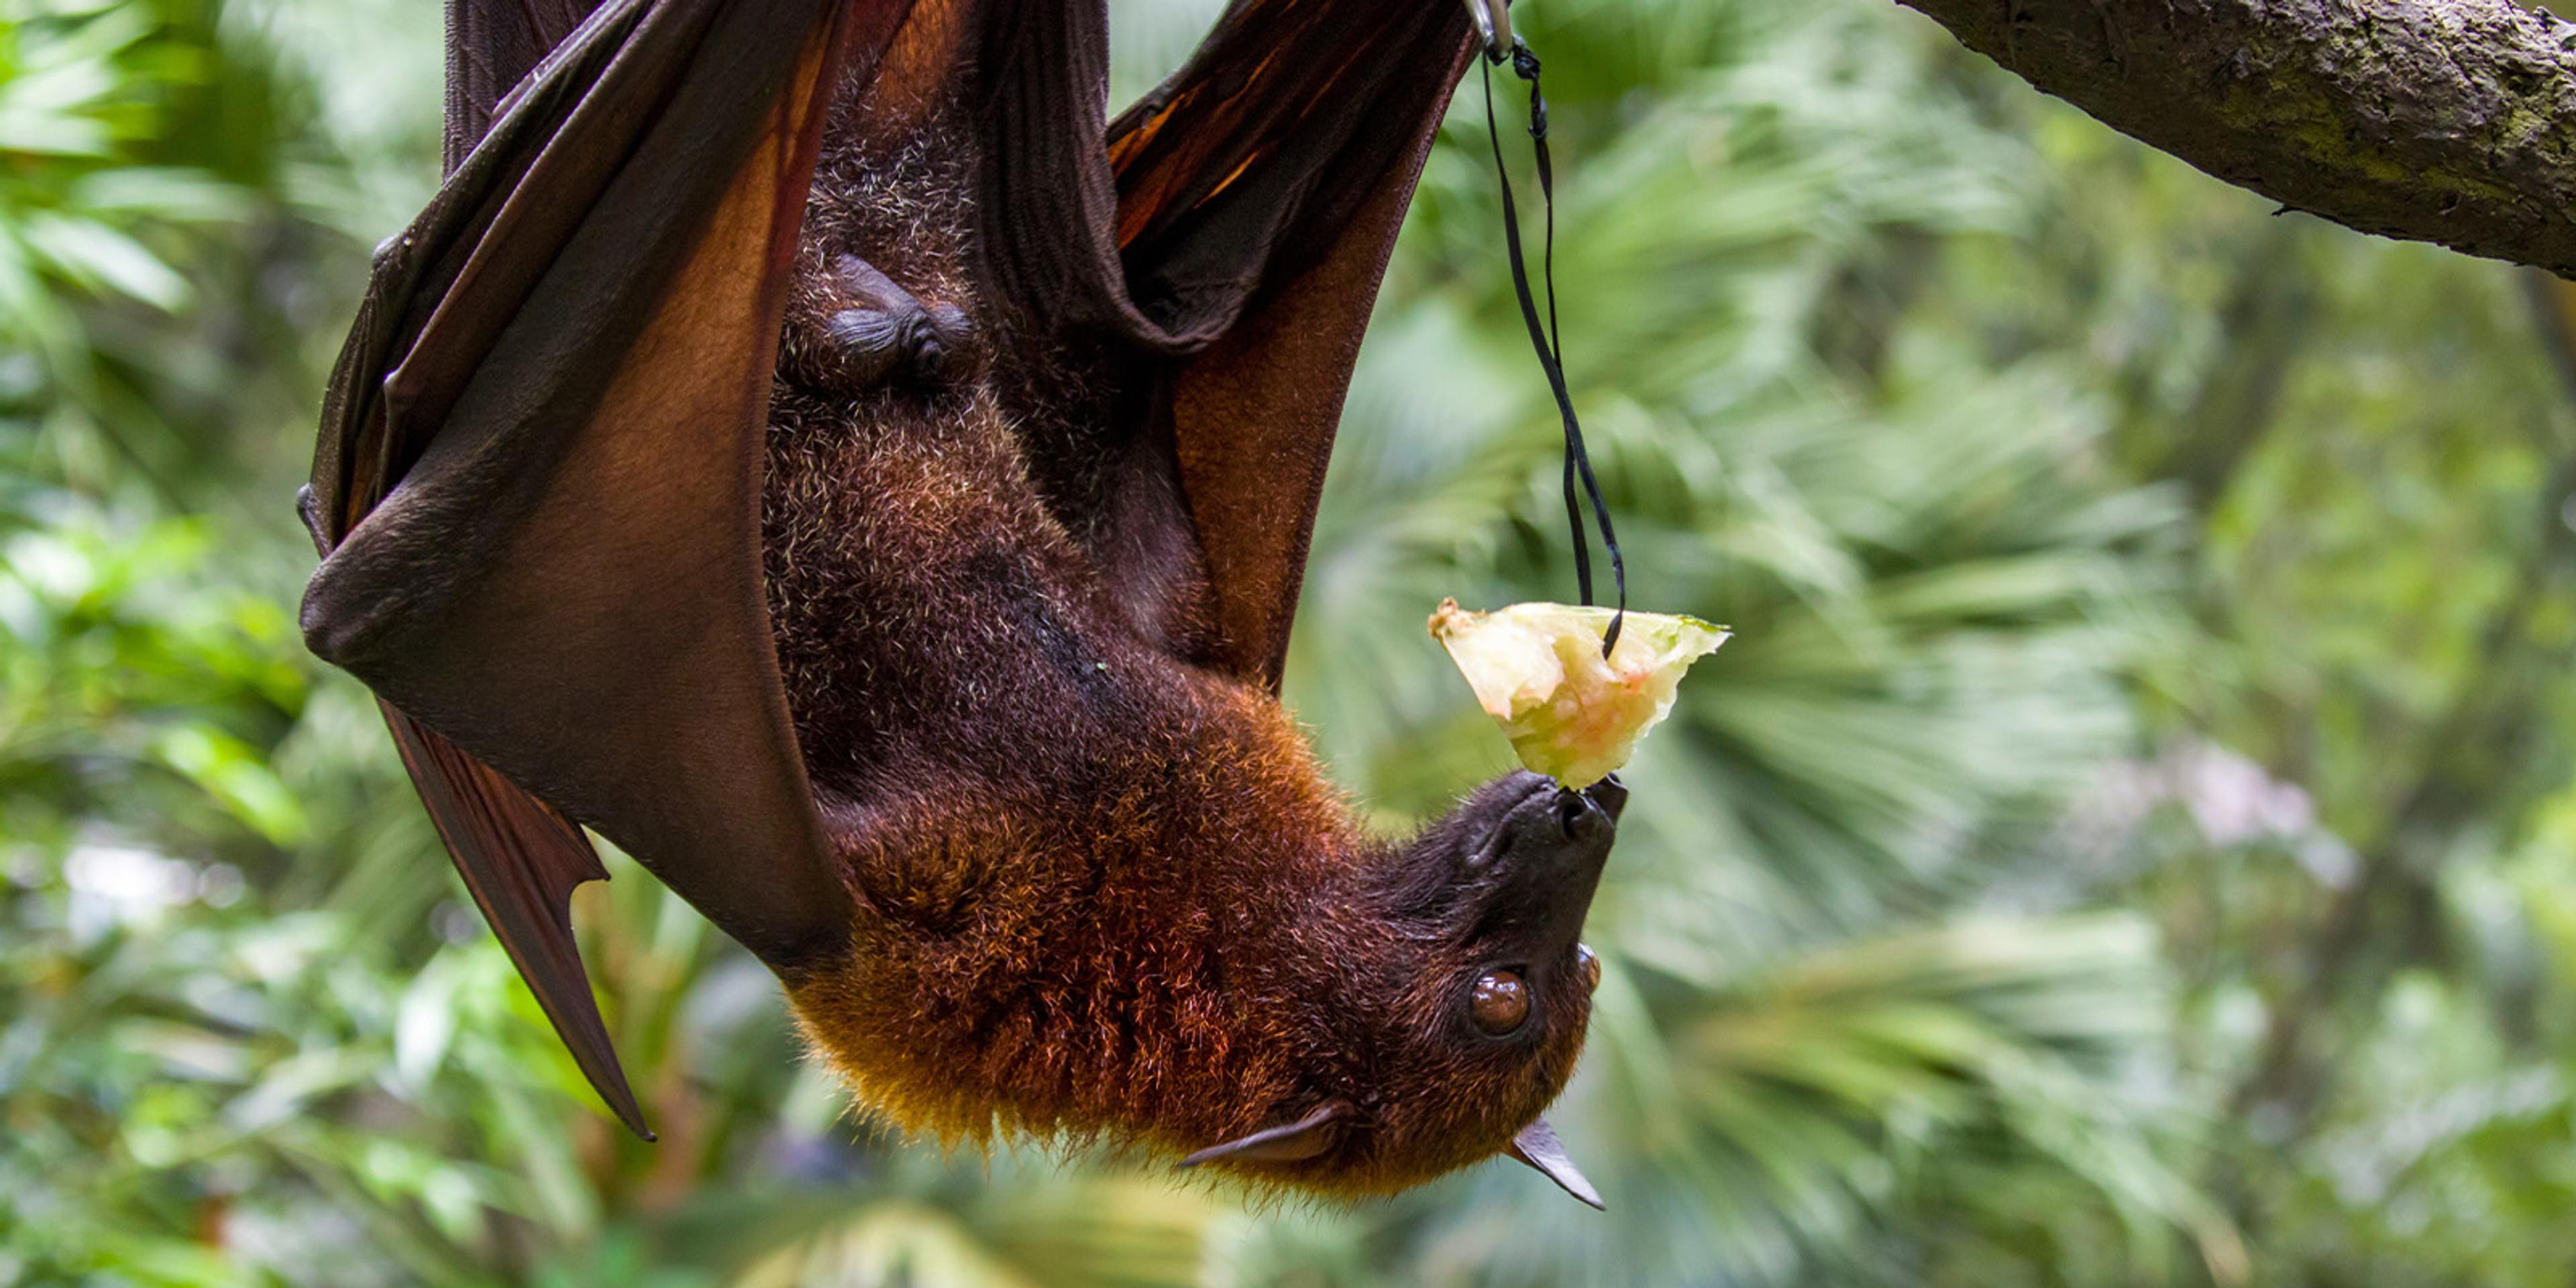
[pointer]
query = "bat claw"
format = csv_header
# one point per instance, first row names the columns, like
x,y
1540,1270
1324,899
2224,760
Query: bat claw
x,y
884,333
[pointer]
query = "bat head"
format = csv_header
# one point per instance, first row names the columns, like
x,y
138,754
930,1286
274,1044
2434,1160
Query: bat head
x,y
1459,1004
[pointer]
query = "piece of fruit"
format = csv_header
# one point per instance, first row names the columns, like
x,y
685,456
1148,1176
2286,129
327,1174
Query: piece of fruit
x,y
1571,714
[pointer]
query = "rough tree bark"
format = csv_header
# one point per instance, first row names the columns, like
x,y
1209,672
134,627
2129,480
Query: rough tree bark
x,y
2450,121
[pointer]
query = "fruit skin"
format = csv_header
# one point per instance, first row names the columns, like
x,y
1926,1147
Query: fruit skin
x,y
1571,714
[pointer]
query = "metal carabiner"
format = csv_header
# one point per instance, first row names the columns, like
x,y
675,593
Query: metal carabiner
x,y
1493,26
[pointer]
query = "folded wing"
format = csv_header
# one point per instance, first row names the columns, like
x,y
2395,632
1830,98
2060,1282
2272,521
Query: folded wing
x,y
537,486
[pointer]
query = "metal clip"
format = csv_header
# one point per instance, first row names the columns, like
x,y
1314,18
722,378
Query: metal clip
x,y
1493,26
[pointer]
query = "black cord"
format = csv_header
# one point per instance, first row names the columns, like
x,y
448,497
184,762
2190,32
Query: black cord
x,y
1549,341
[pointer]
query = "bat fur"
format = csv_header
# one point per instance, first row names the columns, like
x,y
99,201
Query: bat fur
x,y
1100,891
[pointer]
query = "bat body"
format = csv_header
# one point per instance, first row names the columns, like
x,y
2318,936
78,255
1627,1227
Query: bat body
x,y
894,547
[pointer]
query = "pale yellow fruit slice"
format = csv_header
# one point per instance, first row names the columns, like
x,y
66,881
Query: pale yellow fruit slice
x,y
1571,714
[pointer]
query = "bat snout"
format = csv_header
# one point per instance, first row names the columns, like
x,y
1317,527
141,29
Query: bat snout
x,y
1611,795
1583,819
1544,859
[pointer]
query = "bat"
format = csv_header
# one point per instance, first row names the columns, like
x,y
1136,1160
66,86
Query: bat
x,y
808,443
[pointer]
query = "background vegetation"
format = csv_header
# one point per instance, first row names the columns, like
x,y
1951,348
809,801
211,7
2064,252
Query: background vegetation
x,y
2129,842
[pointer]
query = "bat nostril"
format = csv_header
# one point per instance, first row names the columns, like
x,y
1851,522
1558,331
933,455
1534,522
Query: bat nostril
x,y
1576,815
1610,795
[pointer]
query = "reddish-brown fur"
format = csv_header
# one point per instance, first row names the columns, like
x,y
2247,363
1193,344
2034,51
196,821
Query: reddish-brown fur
x,y
1101,891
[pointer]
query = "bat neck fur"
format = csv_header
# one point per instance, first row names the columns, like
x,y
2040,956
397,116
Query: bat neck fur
x,y
1158,942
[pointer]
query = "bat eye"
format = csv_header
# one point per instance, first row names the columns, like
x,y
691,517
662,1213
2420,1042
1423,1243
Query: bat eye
x,y
1588,964
1501,1003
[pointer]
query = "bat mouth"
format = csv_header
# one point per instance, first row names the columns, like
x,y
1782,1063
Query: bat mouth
x,y
1548,825
1519,854
1591,813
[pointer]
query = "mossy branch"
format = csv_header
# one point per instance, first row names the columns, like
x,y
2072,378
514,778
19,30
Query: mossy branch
x,y
2450,121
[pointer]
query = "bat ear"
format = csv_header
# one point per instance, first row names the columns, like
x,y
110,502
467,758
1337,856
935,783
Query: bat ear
x,y
1538,1146
1285,1143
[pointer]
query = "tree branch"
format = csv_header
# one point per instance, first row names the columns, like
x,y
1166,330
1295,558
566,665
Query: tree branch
x,y
2450,121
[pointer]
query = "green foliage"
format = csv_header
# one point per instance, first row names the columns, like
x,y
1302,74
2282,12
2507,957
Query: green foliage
x,y
2128,840
1936,584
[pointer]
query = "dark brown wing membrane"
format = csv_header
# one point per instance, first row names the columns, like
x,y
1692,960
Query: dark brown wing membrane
x,y
1239,224
1267,181
538,479
492,45
520,860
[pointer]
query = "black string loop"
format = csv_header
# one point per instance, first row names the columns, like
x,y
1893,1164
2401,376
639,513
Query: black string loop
x,y
1547,339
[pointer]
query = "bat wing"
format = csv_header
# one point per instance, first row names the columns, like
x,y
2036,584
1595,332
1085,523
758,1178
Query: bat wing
x,y
1240,227
537,483
491,47
1307,176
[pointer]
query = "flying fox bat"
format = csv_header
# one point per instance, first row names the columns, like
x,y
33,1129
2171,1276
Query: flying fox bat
x,y
808,443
